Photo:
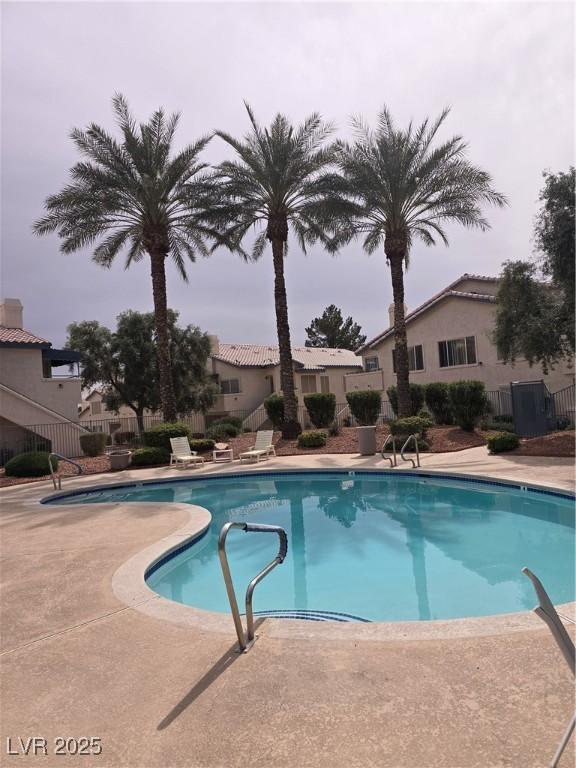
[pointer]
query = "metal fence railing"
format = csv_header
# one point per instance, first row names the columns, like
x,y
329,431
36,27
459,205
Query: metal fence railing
x,y
500,402
564,406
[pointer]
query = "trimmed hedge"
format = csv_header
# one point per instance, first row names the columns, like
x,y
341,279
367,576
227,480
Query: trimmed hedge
x,y
311,439
410,426
437,396
469,402
201,446
32,464
221,431
365,406
502,441
274,406
416,398
146,457
93,444
321,408
234,420
159,435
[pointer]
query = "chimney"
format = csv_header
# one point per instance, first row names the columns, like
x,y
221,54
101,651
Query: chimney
x,y
214,344
391,314
11,313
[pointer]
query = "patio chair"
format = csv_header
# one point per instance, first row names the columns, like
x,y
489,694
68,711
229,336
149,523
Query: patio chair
x,y
261,449
182,453
546,611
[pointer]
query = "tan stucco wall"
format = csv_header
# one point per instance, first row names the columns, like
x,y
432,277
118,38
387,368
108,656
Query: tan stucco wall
x,y
124,411
21,370
455,318
254,387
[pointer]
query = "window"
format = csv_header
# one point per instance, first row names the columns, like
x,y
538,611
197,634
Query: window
x,y
324,384
96,408
371,364
308,384
415,358
230,386
457,352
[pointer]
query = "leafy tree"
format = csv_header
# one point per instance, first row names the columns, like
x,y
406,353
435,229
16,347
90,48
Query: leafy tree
x,y
331,330
136,195
124,364
408,186
280,181
535,319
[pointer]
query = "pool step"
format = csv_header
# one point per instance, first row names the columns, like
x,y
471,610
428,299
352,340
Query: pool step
x,y
311,615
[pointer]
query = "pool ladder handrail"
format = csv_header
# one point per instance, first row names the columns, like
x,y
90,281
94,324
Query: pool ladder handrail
x,y
56,479
414,463
393,463
246,640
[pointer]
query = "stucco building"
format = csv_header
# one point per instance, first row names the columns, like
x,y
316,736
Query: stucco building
x,y
247,374
39,393
450,338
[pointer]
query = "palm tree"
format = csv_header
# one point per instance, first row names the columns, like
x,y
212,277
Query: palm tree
x,y
134,195
279,181
408,188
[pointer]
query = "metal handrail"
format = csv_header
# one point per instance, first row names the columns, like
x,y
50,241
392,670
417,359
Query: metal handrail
x,y
56,479
389,458
245,641
414,463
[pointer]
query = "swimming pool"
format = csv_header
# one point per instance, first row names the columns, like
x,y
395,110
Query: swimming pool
x,y
369,546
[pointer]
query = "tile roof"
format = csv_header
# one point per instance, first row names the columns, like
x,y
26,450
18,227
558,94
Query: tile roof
x,y
307,358
20,336
446,293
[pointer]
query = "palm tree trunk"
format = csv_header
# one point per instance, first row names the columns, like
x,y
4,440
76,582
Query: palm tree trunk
x,y
291,428
167,398
396,257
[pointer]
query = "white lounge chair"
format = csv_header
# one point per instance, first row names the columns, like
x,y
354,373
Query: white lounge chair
x,y
182,453
546,611
261,449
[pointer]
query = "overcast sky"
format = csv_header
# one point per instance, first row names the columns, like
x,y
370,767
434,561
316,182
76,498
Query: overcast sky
x,y
506,69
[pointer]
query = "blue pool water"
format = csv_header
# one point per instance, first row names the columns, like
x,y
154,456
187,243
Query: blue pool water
x,y
381,547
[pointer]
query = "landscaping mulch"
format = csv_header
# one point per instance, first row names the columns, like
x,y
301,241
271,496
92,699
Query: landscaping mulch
x,y
554,444
90,466
440,439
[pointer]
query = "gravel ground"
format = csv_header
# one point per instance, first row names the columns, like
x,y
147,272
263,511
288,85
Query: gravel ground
x,y
441,440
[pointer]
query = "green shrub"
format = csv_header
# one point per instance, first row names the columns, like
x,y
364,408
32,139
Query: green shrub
x,y
221,431
33,464
365,406
413,425
235,420
274,406
469,402
159,435
334,429
93,443
503,418
416,398
502,441
311,439
437,396
321,407
146,457
201,446
490,425
121,438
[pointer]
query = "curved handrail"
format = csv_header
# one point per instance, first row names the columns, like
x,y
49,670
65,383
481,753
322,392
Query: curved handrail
x,y
393,463
245,641
414,463
56,479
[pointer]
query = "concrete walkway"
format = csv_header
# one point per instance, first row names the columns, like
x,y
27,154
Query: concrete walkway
x,y
78,663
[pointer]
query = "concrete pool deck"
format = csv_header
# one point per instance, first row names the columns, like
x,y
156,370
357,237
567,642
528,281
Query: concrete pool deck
x,y
76,661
